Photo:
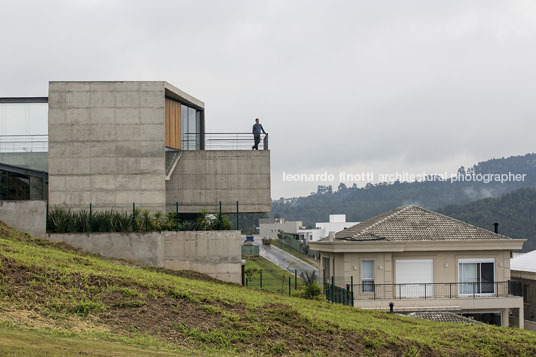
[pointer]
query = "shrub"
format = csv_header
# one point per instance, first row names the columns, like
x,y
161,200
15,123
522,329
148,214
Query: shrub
x,y
64,220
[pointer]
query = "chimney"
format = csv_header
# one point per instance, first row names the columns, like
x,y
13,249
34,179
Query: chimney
x,y
496,227
331,236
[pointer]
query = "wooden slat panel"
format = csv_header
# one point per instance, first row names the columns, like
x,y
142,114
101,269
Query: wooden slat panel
x,y
173,124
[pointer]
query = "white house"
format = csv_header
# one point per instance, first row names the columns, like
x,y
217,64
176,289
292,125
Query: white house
x,y
337,223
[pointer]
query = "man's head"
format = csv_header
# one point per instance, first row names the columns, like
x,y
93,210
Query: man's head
x,y
257,121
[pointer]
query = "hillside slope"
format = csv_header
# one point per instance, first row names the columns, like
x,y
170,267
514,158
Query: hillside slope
x,y
363,203
51,293
515,211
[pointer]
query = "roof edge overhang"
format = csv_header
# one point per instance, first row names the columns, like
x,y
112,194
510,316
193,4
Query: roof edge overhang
x,y
416,246
183,97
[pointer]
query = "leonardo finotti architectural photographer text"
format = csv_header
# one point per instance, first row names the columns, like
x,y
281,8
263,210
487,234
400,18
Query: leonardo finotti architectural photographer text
x,y
369,176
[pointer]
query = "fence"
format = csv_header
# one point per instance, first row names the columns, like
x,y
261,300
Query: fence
x,y
289,240
339,295
223,141
473,290
139,218
23,143
273,280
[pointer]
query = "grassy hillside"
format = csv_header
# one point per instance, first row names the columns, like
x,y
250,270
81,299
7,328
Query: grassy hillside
x,y
69,303
515,212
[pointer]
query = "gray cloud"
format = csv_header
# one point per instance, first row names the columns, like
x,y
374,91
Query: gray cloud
x,y
338,84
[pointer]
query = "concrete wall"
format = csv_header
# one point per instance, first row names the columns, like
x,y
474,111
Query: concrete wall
x,y
30,160
25,216
106,144
203,178
216,253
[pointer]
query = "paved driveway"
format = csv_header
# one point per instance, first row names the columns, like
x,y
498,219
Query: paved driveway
x,y
283,259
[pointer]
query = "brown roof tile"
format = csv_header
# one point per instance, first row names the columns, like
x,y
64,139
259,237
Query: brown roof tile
x,y
409,223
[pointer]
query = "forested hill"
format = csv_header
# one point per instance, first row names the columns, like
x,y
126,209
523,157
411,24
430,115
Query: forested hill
x,y
362,203
514,211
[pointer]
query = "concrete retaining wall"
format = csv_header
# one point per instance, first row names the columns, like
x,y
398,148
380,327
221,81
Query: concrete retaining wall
x,y
215,253
26,216
201,179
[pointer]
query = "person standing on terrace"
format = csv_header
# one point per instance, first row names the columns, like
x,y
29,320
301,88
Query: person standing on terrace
x,y
257,129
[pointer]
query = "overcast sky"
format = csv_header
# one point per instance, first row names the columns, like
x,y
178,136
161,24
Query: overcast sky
x,y
341,86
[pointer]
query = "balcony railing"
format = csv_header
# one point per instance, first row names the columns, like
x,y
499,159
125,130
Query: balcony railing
x,y
23,143
436,290
223,141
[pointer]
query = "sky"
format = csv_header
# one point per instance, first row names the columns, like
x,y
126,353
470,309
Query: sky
x,y
340,86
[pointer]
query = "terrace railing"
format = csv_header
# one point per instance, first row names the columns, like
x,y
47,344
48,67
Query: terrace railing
x,y
436,290
222,141
23,143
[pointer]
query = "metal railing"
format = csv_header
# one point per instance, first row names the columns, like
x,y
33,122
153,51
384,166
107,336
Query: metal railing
x,y
223,141
473,290
23,143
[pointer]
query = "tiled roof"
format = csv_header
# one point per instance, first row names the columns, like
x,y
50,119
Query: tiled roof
x,y
412,223
442,317
524,262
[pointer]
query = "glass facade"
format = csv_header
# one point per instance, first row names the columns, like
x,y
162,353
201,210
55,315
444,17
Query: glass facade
x,y
190,128
22,184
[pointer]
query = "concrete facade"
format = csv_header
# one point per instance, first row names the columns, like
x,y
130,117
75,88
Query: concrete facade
x,y
107,147
215,253
106,144
25,216
202,179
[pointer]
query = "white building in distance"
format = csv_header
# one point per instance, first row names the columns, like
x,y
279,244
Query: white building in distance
x,y
337,223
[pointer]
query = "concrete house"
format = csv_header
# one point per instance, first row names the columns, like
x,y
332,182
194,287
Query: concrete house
x,y
423,261
113,144
523,270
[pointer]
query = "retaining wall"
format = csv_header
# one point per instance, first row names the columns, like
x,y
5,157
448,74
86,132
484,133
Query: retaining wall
x,y
25,216
215,253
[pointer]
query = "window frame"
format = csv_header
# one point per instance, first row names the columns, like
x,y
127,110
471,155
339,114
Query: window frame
x,y
367,284
479,278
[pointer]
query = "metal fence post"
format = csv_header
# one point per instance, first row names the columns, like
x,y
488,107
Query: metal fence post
x,y
219,219
237,219
352,287
295,279
332,288
46,224
261,277
289,286
177,216
90,218
133,217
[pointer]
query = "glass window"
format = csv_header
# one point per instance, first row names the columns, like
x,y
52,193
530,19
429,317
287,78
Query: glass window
x,y
184,127
192,130
367,275
476,277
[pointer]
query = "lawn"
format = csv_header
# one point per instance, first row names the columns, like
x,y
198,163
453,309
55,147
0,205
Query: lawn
x,y
273,277
69,303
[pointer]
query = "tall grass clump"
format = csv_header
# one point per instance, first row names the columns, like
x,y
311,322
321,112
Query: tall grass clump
x,y
65,220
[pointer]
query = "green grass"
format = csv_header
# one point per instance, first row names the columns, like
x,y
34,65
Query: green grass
x,y
274,278
58,301
296,253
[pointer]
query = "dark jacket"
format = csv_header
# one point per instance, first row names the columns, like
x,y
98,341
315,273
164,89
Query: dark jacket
x,y
257,128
